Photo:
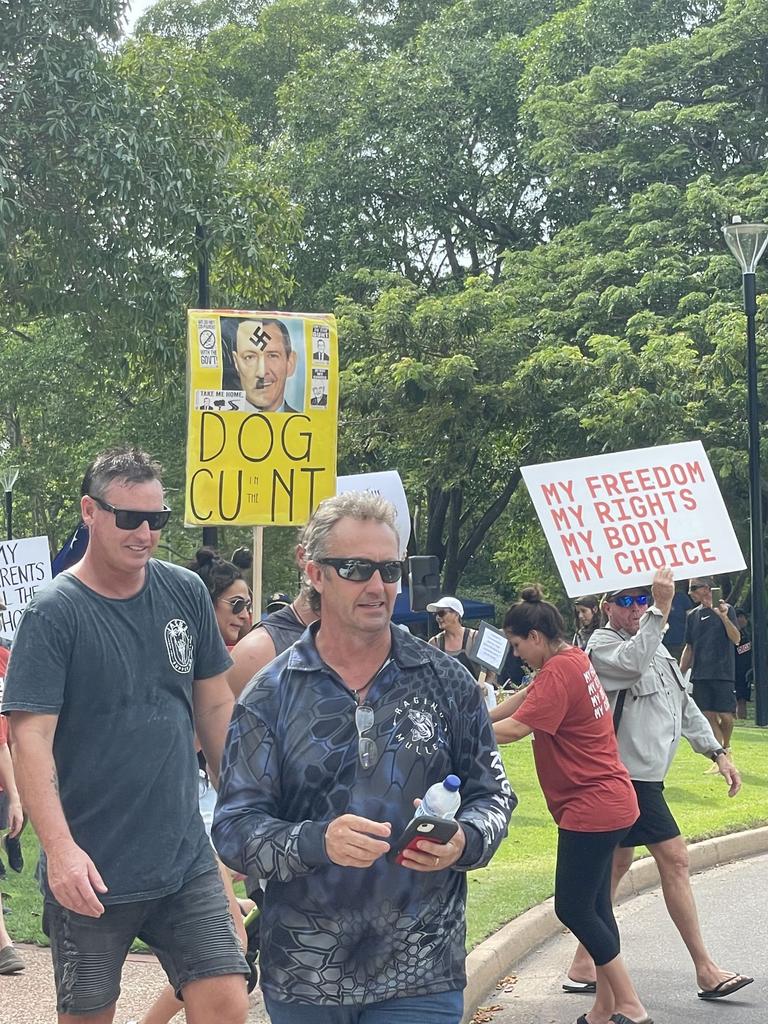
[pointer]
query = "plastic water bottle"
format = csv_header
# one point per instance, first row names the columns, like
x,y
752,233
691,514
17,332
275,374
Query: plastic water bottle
x,y
441,800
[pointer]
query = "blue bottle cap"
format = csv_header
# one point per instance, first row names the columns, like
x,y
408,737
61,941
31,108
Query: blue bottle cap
x,y
452,782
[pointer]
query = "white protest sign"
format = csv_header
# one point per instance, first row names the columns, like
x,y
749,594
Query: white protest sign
x,y
490,647
612,520
389,485
25,566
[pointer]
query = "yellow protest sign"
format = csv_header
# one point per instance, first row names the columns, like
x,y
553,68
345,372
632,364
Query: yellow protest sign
x,y
262,403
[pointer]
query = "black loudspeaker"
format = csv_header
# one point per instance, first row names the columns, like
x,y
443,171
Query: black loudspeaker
x,y
424,573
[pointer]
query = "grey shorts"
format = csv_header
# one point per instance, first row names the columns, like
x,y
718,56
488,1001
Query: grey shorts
x,y
190,931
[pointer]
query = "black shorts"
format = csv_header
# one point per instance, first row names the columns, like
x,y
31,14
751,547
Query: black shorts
x,y
715,695
656,823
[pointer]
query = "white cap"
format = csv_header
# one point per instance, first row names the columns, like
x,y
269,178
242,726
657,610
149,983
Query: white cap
x,y
453,604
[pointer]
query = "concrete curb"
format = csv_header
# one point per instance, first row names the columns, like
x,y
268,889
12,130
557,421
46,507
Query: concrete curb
x,y
494,958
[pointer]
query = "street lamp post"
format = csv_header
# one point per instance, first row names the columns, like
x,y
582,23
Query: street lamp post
x,y
747,242
8,478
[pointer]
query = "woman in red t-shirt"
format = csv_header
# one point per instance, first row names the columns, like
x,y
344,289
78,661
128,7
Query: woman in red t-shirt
x,y
586,787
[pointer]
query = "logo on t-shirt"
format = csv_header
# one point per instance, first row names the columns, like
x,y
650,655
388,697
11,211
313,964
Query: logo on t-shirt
x,y
416,725
179,645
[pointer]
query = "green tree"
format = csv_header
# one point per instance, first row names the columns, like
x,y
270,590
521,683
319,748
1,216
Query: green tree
x,y
108,162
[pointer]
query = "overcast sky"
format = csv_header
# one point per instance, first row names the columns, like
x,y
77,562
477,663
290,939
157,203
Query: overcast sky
x,y
135,9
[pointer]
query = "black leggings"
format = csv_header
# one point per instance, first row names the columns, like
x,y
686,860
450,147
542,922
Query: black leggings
x,y
583,890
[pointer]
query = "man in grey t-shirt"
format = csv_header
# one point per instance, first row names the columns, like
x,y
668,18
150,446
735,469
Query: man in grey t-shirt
x,y
116,665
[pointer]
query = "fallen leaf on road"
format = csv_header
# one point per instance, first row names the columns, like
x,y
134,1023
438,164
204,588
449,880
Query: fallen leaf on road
x,y
485,1014
506,984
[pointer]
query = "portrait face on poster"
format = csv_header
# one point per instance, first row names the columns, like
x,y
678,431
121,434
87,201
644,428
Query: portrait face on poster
x,y
262,416
265,361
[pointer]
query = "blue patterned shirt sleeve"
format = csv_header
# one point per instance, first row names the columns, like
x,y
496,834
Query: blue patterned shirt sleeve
x,y
247,833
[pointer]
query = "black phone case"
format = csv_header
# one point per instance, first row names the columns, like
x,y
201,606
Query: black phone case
x,y
436,830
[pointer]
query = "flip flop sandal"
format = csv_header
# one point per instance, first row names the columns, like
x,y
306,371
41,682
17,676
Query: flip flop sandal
x,y
726,988
569,985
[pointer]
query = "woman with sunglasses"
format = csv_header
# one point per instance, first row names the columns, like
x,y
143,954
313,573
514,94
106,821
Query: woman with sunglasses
x,y
229,592
455,639
232,606
586,612
587,789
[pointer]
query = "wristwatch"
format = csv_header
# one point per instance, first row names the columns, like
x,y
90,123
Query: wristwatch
x,y
716,753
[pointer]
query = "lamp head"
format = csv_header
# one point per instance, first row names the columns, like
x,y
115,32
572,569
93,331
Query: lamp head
x,y
747,242
8,477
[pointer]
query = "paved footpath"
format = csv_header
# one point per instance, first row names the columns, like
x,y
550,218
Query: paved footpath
x,y
733,907
28,998
732,902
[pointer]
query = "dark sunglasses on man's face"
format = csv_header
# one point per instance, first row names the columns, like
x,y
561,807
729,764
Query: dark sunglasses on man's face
x,y
627,600
359,570
131,519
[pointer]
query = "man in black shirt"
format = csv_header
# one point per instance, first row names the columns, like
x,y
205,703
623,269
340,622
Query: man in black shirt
x,y
711,637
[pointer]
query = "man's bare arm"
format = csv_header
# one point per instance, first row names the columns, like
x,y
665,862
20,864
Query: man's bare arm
x,y
686,659
733,631
73,878
213,702
250,656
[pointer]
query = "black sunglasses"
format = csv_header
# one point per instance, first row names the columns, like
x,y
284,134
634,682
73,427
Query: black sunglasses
x,y
131,519
238,604
627,600
359,570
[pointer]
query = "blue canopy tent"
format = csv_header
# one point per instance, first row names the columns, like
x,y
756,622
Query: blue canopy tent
x,y
473,610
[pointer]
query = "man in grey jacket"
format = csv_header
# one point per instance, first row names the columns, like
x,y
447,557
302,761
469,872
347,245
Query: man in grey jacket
x,y
652,710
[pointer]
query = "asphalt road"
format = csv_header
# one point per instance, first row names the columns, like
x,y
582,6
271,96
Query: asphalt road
x,y
733,907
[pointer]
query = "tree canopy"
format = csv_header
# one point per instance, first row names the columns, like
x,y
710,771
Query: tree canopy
x,y
109,159
513,208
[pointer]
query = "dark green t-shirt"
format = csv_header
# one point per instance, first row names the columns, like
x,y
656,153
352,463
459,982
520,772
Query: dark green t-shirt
x,y
120,674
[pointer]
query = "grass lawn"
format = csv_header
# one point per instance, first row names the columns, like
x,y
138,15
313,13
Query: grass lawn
x,y
521,874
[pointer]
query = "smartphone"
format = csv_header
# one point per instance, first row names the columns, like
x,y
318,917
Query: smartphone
x,y
717,596
436,830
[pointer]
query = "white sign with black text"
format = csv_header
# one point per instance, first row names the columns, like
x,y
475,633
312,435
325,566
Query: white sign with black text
x,y
25,567
490,647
